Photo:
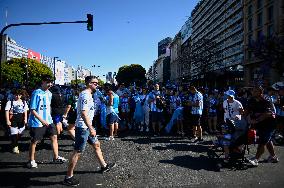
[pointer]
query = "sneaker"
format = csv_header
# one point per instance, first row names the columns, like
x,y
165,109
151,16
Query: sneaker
x,y
200,140
108,167
109,138
59,160
271,159
16,150
253,162
71,182
194,139
226,160
32,164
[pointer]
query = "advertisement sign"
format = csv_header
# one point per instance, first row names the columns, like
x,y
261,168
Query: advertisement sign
x,y
59,72
33,55
186,30
163,45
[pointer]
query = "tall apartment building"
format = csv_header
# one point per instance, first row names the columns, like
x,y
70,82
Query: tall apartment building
x,y
175,53
220,21
262,18
161,66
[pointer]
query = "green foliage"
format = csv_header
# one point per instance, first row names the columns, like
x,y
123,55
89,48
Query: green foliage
x,y
128,74
16,70
73,82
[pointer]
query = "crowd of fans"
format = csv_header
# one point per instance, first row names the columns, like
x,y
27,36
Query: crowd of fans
x,y
185,111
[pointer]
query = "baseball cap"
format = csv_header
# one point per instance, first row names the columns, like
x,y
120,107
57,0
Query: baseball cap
x,y
230,93
46,78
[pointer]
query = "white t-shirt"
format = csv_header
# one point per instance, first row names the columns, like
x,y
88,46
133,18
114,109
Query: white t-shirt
x,y
232,110
18,107
85,102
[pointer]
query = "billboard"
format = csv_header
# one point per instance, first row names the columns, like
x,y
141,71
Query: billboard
x,y
163,46
33,55
186,30
59,72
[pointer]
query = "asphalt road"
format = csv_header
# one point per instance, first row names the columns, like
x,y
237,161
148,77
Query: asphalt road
x,y
142,161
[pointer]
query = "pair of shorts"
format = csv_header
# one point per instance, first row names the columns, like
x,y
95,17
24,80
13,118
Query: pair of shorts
x,y
112,118
157,116
196,120
37,133
72,117
82,136
17,121
265,135
57,118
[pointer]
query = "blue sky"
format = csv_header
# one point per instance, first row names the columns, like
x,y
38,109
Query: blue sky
x,y
125,31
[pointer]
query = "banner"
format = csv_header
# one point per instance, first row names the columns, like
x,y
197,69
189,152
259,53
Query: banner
x,y
33,55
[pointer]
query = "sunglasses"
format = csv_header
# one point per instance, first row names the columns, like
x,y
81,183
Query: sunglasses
x,y
96,83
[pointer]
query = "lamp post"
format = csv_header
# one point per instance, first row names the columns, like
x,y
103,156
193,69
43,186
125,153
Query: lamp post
x,y
94,67
54,69
27,73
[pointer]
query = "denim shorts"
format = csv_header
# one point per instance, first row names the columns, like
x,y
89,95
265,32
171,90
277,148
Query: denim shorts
x,y
82,136
111,118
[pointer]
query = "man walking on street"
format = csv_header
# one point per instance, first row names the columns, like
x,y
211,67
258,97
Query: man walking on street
x,y
262,117
40,121
85,132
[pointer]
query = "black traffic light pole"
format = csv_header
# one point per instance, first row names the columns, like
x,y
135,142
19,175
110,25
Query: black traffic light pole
x,y
19,24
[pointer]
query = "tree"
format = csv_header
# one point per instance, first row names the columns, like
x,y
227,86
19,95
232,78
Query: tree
x,y
270,50
24,72
203,55
128,74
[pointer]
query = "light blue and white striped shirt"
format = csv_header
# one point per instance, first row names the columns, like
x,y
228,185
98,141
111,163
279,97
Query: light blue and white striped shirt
x,y
40,102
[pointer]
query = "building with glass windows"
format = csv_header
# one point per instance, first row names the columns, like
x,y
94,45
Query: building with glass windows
x,y
217,42
263,21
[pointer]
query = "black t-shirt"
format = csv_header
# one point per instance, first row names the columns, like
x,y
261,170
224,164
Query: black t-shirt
x,y
57,104
255,107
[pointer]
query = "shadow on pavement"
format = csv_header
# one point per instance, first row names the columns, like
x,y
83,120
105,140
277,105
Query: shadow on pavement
x,y
28,179
195,163
184,147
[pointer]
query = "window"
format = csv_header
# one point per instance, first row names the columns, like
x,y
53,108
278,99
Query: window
x,y
259,19
259,4
250,38
269,30
249,55
270,13
250,24
259,34
249,10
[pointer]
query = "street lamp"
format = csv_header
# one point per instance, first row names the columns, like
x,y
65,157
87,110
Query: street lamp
x,y
94,67
54,69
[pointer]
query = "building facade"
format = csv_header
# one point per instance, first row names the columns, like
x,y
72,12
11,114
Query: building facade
x,y
220,23
12,50
175,53
263,19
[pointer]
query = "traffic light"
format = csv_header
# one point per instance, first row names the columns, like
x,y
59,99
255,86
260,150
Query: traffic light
x,y
90,22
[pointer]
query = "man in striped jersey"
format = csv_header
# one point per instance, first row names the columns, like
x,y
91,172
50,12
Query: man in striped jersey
x,y
40,121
